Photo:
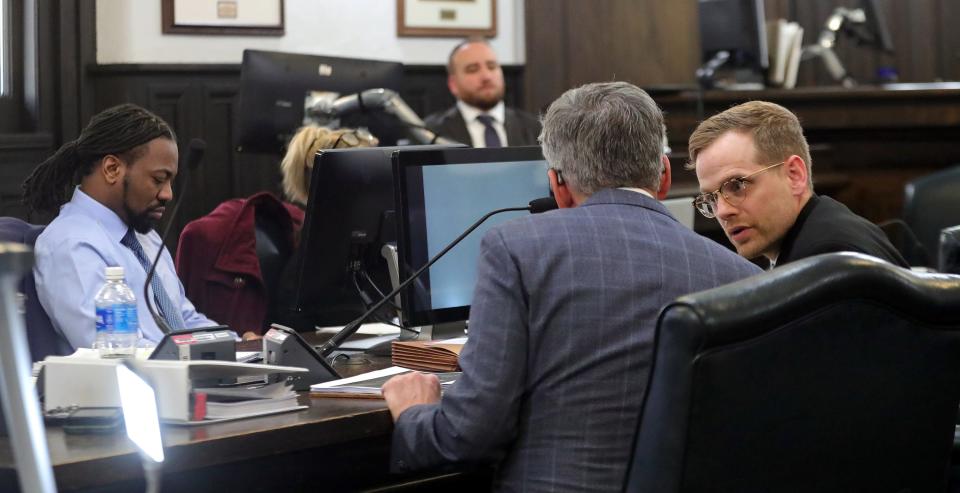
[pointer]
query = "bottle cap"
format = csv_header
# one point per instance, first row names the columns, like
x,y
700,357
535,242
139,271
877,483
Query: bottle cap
x,y
114,273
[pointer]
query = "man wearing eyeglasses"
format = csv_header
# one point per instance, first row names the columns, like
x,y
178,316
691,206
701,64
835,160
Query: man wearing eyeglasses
x,y
754,169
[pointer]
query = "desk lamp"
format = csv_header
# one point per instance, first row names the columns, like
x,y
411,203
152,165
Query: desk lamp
x,y
142,421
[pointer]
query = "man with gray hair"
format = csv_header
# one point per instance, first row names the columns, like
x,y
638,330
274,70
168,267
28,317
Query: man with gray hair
x,y
564,311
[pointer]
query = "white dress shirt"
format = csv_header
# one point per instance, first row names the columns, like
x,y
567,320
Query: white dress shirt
x,y
476,129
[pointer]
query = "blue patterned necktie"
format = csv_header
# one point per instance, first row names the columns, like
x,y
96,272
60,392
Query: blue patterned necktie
x,y
168,310
490,137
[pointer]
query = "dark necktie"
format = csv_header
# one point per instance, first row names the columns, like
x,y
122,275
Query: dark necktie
x,y
168,310
490,137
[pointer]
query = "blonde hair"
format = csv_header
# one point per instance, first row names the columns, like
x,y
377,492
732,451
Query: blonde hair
x,y
776,133
298,161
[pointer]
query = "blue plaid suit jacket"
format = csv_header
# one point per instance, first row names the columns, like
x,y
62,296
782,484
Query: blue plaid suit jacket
x,y
561,335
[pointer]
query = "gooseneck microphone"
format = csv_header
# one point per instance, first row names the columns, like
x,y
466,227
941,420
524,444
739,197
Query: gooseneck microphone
x,y
543,204
195,151
535,206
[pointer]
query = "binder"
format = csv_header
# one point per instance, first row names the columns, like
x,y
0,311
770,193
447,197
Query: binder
x,y
88,382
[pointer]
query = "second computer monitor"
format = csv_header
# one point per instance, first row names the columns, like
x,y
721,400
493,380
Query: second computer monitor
x,y
273,86
737,27
440,194
339,270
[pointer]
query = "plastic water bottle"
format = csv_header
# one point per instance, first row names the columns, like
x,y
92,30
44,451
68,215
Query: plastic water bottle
x,y
117,327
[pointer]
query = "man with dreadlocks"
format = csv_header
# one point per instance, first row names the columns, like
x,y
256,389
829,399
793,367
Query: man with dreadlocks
x,y
122,169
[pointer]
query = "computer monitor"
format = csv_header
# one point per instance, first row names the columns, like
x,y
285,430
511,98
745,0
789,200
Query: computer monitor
x,y
737,27
681,208
349,216
440,193
273,86
874,31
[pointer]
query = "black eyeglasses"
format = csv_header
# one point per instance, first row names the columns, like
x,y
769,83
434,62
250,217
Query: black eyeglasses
x,y
733,191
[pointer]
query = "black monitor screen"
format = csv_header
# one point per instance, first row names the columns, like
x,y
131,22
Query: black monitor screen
x,y
273,86
735,26
440,194
876,26
349,217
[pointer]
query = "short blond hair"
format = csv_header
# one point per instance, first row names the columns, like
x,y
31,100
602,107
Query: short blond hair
x,y
776,133
298,161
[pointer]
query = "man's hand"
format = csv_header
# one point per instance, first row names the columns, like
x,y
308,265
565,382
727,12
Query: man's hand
x,y
251,336
410,389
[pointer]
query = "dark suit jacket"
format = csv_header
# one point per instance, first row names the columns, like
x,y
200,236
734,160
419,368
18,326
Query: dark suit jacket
x,y
522,128
825,226
561,340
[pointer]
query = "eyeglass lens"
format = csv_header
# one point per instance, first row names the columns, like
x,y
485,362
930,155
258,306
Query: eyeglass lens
x,y
733,192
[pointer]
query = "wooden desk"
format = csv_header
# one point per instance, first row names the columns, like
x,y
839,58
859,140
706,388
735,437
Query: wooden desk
x,y
335,445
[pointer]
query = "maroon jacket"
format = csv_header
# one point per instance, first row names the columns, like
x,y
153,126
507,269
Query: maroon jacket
x,y
218,265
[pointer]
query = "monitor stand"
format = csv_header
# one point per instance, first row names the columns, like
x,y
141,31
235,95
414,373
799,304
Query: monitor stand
x,y
434,332
447,330
424,333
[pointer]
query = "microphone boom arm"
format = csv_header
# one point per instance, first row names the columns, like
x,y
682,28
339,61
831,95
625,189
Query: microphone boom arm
x,y
385,100
195,151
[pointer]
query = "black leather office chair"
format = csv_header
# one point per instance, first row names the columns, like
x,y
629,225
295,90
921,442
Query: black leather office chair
x,y
274,250
42,338
930,204
834,373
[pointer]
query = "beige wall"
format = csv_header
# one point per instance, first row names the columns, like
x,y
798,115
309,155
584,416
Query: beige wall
x,y
130,32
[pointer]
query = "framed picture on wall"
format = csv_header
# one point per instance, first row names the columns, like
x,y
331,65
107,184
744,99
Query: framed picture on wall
x,y
452,18
231,17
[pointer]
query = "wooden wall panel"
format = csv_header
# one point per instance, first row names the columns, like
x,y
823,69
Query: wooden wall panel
x,y
572,42
63,44
547,52
948,22
656,42
19,155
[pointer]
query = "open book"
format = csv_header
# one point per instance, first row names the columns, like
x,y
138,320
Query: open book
x,y
437,356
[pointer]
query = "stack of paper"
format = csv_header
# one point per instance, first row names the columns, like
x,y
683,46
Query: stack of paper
x,y
363,385
785,42
368,385
428,355
243,401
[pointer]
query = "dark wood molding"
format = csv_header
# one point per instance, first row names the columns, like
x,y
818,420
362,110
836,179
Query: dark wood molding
x,y
228,68
120,69
34,141
76,48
